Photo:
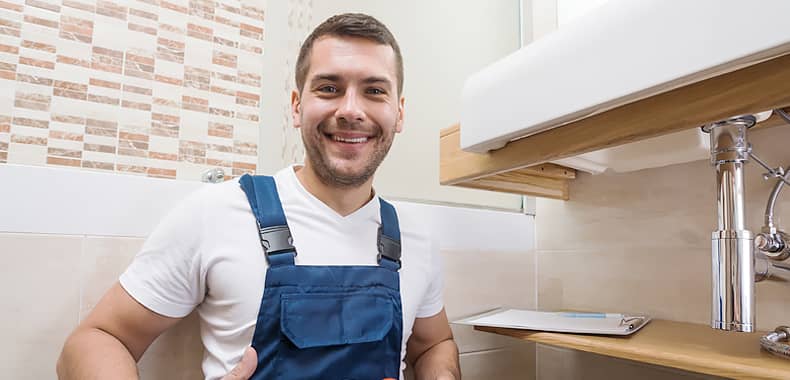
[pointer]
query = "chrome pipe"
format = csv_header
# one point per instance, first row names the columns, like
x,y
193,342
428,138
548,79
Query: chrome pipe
x,y
732,244
769,208
772,242
766,269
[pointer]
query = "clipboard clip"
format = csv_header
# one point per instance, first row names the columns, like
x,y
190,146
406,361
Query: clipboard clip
x,y
632,321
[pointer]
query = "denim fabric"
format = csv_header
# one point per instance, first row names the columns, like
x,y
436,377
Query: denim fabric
x,y
325,322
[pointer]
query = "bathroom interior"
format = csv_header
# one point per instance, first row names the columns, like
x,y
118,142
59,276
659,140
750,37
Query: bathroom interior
x,y
112,111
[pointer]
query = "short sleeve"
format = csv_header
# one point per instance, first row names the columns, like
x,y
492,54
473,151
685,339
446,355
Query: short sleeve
x,y
165,276
433,302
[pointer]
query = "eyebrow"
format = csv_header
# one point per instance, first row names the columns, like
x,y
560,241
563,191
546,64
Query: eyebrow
x,y
336,78
383,80
327,77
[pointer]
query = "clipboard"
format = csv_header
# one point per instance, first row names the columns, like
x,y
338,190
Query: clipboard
x,y
566,322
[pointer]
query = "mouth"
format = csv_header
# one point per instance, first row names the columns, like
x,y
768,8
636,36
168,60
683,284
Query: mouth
x,y
348,139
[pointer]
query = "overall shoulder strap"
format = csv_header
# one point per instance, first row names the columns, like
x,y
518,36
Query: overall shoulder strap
x,y
273,229
389,237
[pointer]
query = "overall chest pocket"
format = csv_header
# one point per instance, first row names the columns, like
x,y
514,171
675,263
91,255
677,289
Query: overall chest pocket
x,y
339,336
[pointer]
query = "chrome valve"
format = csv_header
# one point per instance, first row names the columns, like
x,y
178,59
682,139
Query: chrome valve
x,y
773,245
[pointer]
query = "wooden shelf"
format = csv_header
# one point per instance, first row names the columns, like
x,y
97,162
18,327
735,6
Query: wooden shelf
x,y
686,346
517,166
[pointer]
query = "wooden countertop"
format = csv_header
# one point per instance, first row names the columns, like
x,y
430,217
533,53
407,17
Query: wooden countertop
x,y
686,346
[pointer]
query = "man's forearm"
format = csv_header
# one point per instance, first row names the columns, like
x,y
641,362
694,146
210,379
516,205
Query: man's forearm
x,y
94,354
440,362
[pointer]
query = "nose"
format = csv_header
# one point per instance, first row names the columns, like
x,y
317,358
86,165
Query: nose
x,y
350,108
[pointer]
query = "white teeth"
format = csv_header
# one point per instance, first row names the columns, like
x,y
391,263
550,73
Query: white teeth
x,y
355,140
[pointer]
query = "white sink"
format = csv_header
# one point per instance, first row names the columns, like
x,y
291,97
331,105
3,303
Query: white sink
x,y
675,148
618,53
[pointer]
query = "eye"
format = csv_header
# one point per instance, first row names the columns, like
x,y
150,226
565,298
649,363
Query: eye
x,y
376,91
328,89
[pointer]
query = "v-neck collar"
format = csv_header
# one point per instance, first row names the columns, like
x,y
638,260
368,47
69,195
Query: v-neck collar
x,y
360,214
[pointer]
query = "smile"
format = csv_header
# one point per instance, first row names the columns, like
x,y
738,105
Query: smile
x,y
349,140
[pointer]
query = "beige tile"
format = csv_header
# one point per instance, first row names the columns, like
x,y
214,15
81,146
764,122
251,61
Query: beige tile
x,y
773,304
554,363
619,280
512,363
673,207
40,292
102,263
477,281
176,355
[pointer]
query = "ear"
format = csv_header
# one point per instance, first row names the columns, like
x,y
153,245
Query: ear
x,y
296,104
401,108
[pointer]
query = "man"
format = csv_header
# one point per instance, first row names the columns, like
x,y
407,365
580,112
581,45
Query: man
x,y
320,276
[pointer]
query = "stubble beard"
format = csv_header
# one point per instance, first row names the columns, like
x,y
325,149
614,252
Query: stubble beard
x,y
331,175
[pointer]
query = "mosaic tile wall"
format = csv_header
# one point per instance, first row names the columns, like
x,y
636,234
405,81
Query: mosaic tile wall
x,y
300,17
164,88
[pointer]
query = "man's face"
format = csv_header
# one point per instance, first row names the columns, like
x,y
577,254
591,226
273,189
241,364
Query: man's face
x,y
349,109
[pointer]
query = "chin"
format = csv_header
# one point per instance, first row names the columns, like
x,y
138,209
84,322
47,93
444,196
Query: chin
x,y
348,176
343,165
346,172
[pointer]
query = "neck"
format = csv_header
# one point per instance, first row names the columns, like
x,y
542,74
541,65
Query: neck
x,y
344,200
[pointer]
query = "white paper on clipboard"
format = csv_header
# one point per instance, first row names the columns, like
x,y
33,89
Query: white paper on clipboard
x,y
569,322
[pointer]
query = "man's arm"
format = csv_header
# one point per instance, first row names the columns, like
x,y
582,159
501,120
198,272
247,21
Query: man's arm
x,y
432,350
111,339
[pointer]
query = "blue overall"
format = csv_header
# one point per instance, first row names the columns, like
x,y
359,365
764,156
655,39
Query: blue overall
x,y
325,322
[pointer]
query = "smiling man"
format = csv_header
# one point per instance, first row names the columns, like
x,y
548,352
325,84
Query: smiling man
x,y
349,107
322,278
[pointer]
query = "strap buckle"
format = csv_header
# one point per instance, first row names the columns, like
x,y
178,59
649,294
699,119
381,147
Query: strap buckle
x,y
388,248
275,240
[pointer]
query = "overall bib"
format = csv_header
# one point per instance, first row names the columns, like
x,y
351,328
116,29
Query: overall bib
x,y
325,322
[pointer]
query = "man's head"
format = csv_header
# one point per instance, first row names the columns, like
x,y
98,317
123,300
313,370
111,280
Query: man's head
x,y
348,102
348,25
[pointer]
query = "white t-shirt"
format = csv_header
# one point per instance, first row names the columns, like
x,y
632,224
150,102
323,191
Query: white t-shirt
x,y
206,255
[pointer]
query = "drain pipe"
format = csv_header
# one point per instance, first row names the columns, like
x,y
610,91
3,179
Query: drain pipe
x,y
732,244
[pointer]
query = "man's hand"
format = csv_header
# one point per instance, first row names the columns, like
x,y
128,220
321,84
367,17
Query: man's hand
x,y
245,368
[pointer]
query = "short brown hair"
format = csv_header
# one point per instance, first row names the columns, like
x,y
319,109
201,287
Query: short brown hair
x,y
348,25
